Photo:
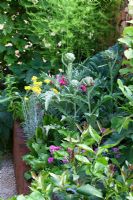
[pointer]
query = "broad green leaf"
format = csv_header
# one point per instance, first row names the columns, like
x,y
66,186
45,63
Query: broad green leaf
x,y
126,40
21,197
35,196
60,154
82,159
56,179
85,147
70,139
126,91
118,123
129,53
103,160
90,190
126,70
128,31
94,134
106,98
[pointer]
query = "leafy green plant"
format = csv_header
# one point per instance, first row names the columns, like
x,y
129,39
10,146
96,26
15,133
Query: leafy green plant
x,y
79,168
80,95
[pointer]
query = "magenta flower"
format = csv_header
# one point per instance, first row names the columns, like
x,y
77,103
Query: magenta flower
x,y
62,80
50,160
54,148
83,88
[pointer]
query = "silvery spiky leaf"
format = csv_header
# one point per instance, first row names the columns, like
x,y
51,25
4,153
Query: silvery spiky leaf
x,y
33,115
48,97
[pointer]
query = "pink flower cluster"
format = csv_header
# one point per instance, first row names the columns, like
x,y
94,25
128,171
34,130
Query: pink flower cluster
x,y
50,160
54,148
62,80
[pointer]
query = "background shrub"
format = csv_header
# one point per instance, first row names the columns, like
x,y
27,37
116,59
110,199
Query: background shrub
x,y
19,53
78,26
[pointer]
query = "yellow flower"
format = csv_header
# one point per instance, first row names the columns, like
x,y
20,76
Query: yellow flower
x,y
27,88
39,84
55,91
36,90
34,78
47,81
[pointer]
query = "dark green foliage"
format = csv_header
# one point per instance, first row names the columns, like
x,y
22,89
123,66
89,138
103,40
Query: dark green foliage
x,y
19,52
6,123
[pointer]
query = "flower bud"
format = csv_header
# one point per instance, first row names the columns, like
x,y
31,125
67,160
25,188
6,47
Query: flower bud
x,y
69,57
74,83
88,81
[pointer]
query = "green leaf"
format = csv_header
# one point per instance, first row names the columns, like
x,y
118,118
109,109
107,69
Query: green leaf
x,y
60,154
85,147
5,99
118,123
126,70
35,196
94,134
90,190
2,48
56,179
126,40
128,31
106,98
126,91
129,53
82,159
103,160
21,197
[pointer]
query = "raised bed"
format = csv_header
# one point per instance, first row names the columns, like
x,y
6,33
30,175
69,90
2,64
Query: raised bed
x,y
19,150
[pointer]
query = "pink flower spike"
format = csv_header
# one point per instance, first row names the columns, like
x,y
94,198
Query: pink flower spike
x,y
83,88
50,160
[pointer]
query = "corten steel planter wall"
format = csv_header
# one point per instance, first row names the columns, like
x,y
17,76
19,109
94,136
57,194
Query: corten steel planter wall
x,y
19,150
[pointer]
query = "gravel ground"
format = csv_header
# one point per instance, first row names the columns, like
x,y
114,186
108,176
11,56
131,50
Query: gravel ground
x,y
7,178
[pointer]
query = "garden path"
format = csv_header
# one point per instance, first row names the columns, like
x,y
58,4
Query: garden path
x,y
7,178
